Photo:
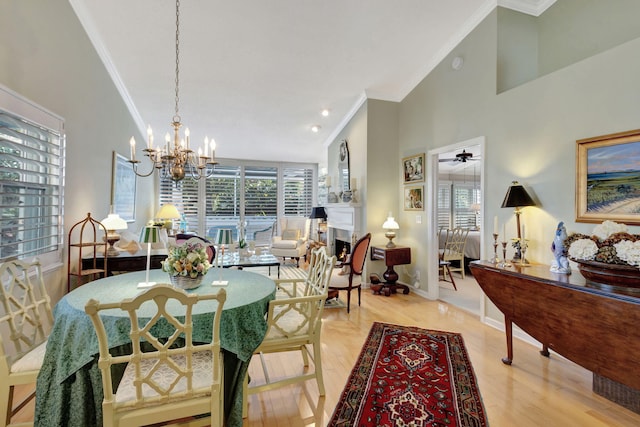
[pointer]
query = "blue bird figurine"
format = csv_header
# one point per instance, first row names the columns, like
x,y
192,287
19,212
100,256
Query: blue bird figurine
x,y
560,264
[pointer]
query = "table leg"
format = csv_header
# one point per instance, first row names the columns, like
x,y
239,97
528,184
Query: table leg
x,y
508,330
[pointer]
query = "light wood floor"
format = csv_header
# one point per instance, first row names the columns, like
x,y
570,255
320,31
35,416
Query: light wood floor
x,y
535,391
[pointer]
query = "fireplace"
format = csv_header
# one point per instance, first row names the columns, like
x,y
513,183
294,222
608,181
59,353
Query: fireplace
x,y
342,244
343,227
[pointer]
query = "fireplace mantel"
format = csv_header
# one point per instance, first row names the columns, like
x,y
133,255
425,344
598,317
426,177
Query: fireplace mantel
x,y
343,218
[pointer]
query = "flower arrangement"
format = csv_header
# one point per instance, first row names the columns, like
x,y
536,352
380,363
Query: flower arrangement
x,y
189,259
610,243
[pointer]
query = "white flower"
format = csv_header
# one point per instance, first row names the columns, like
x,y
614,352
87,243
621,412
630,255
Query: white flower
x,y
607,228
628,251
585,249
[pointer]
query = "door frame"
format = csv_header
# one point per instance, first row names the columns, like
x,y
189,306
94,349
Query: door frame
x,y
433,290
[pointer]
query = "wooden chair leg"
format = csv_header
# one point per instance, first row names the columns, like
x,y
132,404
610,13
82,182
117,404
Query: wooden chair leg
x,y
453,282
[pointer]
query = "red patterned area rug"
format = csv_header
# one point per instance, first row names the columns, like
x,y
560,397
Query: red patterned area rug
x,y
410,377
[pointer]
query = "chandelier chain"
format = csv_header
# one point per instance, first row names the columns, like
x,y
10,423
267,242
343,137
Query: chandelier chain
x,y
176,118
175,159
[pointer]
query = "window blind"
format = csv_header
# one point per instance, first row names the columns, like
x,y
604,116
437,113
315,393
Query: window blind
x,y
31,175
298,191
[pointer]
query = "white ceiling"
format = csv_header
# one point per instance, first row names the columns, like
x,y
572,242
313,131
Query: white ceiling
x,y
255,74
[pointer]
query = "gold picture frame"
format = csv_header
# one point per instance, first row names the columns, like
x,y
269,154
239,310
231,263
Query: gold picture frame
x,y
123,188
413,198
413,168
608,178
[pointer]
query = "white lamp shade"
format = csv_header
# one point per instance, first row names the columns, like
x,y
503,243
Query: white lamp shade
x,y
114,222
390,223
150,235
168,211
223,237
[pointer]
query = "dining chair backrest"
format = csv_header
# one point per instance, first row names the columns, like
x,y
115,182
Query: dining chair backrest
x,y
456,241
359,254
165,368
454,248
26,320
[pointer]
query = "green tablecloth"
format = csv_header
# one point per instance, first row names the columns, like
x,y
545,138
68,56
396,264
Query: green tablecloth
x,y
69,388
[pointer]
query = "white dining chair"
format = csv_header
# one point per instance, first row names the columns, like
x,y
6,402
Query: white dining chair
x,y
294,323
166,377
25,319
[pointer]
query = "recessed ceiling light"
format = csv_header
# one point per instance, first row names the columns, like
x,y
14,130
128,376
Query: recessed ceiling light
x,y
315,128
325,112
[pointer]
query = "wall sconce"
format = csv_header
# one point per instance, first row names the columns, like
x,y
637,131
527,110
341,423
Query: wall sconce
x,y
390,225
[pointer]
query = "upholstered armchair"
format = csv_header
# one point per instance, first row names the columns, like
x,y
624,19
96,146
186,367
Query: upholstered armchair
x,y
291,238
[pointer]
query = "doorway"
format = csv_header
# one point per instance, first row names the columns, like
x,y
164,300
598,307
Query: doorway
x,y
455,188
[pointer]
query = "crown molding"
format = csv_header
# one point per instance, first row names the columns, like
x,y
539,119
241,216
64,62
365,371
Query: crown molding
x,y
530,7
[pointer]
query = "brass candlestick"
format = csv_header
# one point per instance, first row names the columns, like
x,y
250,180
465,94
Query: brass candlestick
x,y
495,258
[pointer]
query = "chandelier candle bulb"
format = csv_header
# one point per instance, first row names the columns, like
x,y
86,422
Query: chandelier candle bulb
x,y
186,136
132,143
149,137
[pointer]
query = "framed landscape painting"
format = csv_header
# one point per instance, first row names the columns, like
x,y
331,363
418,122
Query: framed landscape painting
x,y
413,198
608,178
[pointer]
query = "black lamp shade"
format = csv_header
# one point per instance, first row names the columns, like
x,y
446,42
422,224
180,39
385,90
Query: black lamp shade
x,y
517,197
318,212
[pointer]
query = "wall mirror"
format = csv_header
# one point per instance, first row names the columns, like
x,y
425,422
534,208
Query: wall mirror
x,y
343,165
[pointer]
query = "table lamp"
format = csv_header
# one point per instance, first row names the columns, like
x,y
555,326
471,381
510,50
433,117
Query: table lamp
x,y
149,235
517,197
223,237
112,223
390,225
168,212
318,212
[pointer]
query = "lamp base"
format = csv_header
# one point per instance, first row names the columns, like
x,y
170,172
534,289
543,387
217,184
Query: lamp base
x,y
390,235
111,251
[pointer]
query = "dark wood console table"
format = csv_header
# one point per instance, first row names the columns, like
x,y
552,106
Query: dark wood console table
x,y
398,255
127,261
593,327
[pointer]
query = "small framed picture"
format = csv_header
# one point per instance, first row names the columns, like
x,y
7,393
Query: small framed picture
x,y
607,178
413,198
413,168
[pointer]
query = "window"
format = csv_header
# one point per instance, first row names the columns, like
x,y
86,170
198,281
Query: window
x,y
31,176
455,204
253,194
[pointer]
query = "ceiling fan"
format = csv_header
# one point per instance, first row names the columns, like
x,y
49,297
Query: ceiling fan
x,y
460,157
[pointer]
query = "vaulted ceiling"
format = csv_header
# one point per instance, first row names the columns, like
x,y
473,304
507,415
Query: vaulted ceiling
x,y
255,75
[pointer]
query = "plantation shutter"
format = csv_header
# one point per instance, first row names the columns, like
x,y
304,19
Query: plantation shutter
x,y
223,193
463,198
31,173
260,198
298,191
184,195
444,204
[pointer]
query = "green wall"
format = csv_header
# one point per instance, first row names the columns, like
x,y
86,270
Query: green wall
x,y
530,131
47,57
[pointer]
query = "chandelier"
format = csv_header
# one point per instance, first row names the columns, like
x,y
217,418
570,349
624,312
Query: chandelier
x,y
175,159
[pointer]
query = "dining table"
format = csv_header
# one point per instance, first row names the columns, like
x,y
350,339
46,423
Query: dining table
x,y
69,387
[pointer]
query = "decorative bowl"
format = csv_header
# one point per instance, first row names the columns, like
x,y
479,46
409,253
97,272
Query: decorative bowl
x,y
186,282
624,277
